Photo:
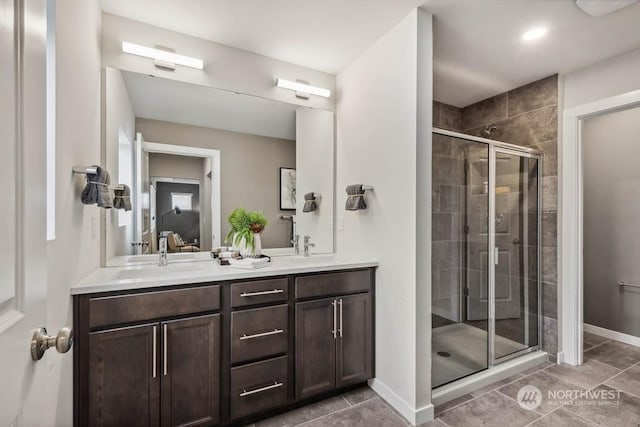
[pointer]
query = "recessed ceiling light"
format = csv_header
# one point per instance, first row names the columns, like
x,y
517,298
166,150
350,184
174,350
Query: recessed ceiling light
x,y
535,33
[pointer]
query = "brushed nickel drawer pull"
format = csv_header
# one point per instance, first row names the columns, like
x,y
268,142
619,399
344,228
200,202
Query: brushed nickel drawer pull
x,y
262,334
334,331
165,349
275,384
340,329
153,356
255,294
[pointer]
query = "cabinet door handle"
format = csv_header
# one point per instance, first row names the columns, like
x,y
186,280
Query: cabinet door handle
x,y
262,334
165,349
255,294
275,384
335,319
340,303
154,354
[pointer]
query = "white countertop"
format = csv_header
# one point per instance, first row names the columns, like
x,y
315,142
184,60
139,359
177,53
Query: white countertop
x,y
179,273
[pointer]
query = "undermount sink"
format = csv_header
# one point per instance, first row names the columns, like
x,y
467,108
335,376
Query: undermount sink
x,y
310,258
156,271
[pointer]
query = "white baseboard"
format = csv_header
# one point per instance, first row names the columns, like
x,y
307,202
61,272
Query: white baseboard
x,y
414,416
560,357
612,335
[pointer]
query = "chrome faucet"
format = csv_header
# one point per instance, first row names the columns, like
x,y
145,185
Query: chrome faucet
x,y
295,241
307,245
162,249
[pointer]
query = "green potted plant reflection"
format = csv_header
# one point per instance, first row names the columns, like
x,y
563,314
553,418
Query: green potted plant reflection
x,y
244,234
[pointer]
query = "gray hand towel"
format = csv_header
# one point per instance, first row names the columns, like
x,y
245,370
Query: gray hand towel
x,y
97,190
355,198
122,198
310,203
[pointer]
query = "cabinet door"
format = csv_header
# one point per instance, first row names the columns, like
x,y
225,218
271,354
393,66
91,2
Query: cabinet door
x,y
315,347
355,340
190,371
124,382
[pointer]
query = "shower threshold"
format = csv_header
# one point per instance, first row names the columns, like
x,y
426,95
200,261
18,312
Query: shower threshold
x,y
499,372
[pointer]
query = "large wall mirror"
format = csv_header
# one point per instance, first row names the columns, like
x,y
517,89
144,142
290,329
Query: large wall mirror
x,y
192,154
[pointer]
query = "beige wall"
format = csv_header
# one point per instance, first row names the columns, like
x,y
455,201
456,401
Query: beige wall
x,y
76,250
171,165
250,168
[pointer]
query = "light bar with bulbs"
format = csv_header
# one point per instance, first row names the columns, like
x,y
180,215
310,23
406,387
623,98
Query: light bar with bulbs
x,y
303,88
162,55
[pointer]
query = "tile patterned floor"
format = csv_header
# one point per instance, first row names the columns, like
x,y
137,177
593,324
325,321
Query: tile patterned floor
x,y
609,366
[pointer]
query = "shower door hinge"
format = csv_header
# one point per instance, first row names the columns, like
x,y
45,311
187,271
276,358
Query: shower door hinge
x,y
466,292
466,229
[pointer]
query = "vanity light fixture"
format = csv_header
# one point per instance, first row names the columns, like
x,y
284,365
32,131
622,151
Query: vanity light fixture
x,y
303,89
534,34
164,57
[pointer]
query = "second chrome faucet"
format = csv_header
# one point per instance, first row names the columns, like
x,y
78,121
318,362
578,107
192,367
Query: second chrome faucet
x,y
307,245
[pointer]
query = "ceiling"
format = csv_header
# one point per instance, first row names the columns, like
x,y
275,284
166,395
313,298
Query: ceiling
x,y
173,101
477,45
479,51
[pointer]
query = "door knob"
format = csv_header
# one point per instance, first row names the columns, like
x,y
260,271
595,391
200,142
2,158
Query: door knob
x,y
41,342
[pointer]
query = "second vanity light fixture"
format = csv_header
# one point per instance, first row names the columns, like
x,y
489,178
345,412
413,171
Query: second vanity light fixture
x,y
164,58
303,89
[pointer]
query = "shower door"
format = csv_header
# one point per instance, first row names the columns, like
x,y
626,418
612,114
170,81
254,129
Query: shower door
x,y
506,291
485,254
514,261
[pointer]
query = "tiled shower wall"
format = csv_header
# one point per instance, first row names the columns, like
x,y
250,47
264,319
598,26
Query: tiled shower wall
x,y
526,116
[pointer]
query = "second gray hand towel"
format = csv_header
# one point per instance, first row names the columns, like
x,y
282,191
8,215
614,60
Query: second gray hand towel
x,y
310,203
122,198
355,198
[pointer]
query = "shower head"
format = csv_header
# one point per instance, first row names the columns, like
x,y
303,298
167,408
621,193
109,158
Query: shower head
x,y
490,129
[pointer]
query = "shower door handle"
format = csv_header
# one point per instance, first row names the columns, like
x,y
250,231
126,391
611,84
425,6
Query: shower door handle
x,y
496,255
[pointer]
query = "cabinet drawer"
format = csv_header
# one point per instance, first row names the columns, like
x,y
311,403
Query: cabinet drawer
x,y
138,307
320,285
259,333
259,292
258,387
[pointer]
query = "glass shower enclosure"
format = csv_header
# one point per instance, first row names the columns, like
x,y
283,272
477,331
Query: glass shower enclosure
x,y
485,254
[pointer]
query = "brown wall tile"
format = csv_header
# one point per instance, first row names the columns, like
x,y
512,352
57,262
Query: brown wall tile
x,y
535,95
484,112
446,116
525,129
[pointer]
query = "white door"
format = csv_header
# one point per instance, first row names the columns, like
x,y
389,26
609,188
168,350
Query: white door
x,y
22,217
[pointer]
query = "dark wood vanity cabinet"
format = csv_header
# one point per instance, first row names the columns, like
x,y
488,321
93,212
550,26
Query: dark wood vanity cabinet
x,y
159,374
220,353
122,386
148,358
190,372
334,343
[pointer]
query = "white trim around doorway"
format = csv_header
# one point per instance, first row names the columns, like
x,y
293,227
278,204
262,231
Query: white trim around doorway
x,y
570,315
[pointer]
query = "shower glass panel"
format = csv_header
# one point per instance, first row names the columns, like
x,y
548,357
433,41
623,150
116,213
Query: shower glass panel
x,y
516,241
485,255
459,230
